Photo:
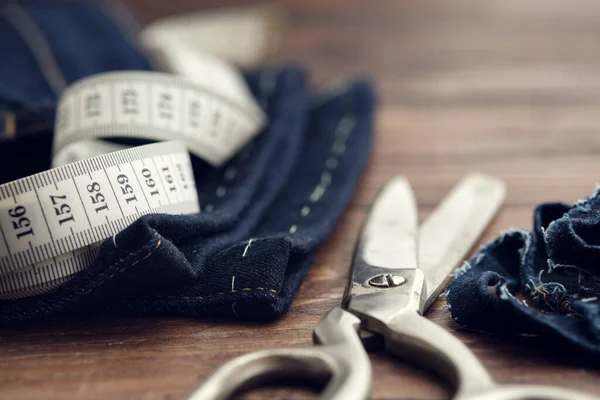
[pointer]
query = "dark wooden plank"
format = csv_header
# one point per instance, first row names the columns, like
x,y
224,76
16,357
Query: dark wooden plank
x,y
505,87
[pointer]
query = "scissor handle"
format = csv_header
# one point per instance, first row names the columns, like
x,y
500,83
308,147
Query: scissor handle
x,y
340,365
413,337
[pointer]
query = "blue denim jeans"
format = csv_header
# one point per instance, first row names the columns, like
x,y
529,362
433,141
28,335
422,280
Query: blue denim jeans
x,y
543,283
265,212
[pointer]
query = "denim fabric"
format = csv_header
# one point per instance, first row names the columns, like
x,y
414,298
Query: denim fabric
x,y
545,282
264,215
84,40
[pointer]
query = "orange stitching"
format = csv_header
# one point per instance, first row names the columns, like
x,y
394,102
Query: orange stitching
x,y
566,305
136,262
10,124
246,289
210,295
543,293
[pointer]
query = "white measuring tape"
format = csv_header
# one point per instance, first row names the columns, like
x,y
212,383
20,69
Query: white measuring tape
x,y
214,120
49,220
53,222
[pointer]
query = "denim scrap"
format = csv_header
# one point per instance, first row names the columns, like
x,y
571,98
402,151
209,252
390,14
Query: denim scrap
x,y
265,213
544,282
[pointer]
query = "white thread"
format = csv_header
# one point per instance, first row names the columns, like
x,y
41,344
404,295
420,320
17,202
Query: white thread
x,y
339,148
114,238
587,300
345,125
221,190
505,294
321,187
331,163
232,289
317,194
247,247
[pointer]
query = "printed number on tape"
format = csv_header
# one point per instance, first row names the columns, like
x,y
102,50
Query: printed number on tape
x,y
52,223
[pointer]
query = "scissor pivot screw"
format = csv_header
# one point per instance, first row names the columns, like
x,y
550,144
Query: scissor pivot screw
x,y
386,281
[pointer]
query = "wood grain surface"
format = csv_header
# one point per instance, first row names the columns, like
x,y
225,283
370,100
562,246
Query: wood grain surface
x,y
506,87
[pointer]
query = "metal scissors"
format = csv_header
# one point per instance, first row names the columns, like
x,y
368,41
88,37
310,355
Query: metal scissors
x,y
391,286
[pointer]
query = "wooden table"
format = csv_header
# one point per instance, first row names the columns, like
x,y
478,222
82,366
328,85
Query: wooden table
x,y
507,87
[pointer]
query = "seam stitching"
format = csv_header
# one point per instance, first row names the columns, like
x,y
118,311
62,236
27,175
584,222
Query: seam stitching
x,y
133,264
243,290
267,82
343,129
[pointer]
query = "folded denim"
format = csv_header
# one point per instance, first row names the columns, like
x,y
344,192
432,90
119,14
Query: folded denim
x,y
555,268
265,213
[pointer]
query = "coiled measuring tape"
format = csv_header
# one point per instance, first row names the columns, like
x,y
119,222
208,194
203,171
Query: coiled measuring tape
x,y
52,223
214,118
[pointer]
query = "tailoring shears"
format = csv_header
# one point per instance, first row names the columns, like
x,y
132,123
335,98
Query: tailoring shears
x,y
391,286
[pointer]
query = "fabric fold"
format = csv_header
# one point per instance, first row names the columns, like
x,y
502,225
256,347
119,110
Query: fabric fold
x,y
544,282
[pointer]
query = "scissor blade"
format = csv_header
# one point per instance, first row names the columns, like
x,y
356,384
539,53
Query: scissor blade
x,y
388,240
454,227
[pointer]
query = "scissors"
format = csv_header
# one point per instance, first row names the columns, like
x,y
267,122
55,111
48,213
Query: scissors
x,y
391,286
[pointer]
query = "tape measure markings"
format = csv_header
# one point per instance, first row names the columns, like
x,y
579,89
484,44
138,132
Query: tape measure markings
x,y
41,274
52,223
153,106
100,193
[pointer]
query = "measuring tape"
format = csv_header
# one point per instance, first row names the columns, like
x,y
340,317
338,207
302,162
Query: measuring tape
x,y
215,118
52,223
